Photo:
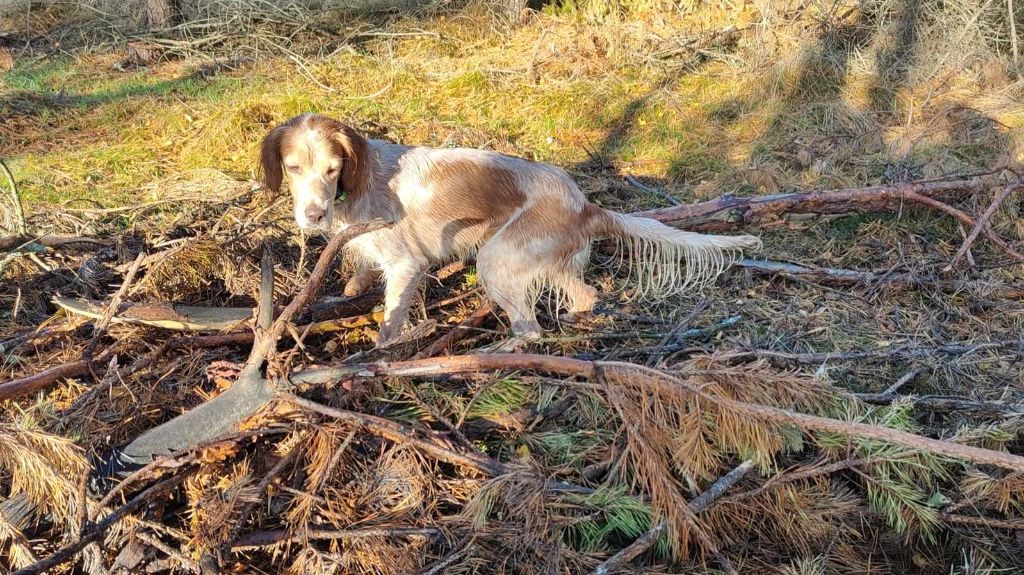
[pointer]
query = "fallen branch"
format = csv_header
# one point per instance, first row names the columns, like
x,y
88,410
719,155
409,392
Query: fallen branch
x,y
263,347
903,352
486,363
397,433
987,522
825,275
8,243
79,368
700,503
162,315
731,212
45,378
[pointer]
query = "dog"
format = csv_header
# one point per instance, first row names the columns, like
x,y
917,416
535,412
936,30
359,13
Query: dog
x,y
528,224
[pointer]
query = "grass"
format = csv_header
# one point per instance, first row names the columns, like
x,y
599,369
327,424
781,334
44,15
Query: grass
x,y
87,130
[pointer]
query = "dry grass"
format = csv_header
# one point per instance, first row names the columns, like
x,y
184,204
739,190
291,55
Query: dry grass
x,y
696,100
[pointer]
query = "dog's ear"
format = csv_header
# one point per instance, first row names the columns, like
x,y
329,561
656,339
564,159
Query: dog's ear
x,y
355,168
270,161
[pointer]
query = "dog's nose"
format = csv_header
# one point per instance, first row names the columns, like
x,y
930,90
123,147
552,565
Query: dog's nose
x,y
314,215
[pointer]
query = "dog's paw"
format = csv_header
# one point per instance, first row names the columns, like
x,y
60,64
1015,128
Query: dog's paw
x,y
386,337
576,317
356,287
514,344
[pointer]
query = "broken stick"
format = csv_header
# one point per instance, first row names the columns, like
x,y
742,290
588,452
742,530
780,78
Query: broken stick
x,y
702,502
246,396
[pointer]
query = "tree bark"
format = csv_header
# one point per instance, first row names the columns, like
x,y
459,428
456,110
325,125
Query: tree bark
x,y
159,14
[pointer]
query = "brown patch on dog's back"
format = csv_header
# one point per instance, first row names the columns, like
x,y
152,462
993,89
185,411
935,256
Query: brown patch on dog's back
x,y
471,191
467,203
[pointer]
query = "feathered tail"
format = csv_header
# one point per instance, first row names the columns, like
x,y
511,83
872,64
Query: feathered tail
x,y
665,260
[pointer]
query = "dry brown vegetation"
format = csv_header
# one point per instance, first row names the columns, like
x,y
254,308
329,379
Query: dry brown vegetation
x,y
861,376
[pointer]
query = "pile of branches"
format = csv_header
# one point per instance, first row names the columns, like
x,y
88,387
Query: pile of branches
x,y
241,434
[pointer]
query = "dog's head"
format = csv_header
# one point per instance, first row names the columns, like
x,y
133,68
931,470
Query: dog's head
x,y
324,160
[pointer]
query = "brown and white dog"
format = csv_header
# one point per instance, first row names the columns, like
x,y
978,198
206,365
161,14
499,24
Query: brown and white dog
x,y
528,224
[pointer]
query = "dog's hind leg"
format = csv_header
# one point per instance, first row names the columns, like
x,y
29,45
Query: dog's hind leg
x,y
568,280
509,274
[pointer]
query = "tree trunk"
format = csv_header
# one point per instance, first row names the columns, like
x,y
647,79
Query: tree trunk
x,y
160,14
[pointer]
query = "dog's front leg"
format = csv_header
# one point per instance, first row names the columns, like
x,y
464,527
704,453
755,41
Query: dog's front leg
x,y
361,280
401,279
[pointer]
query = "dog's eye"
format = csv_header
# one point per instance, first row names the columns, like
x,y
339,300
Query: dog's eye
x,y
294,169
332,170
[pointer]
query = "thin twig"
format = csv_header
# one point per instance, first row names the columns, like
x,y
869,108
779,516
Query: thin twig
x,y
697,505
671,335
790,477
397,433
907,378
442,564
1012,17
188,564
965,219
458,332
660,193
96,530
261,488
982,223
264,538
115,303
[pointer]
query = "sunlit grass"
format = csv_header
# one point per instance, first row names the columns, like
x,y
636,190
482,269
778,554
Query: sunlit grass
x,y
557,89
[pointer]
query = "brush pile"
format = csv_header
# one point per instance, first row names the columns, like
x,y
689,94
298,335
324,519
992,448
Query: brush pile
x,y
182,390
869,418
